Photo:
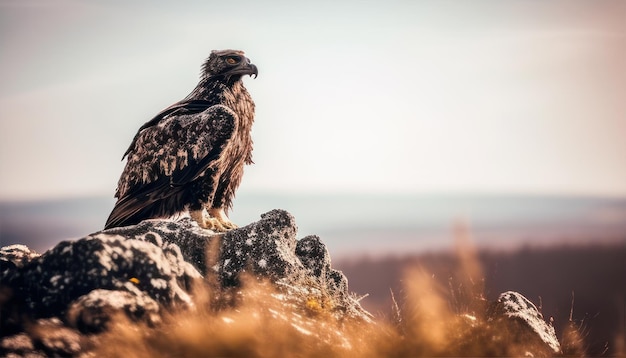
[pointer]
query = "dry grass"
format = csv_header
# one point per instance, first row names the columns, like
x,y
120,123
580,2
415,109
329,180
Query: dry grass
x,y
257,320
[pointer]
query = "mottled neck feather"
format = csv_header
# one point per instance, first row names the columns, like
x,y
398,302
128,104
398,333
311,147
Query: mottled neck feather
x,y
210,89
228,91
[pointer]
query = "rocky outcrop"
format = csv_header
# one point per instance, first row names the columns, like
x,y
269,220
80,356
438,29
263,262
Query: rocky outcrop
x,y
49,283
56,303
140,270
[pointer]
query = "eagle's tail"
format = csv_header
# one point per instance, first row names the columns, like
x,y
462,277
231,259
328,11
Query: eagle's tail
x,y
131,210
127,211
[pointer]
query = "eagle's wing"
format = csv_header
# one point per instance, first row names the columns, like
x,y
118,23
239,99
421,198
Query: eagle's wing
x,y
179,108
166,156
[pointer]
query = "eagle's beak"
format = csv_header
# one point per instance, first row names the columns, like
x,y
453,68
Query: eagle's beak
x,y
245,68
253,70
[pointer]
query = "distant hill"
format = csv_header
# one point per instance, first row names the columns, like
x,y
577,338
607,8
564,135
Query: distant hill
x,y
42,224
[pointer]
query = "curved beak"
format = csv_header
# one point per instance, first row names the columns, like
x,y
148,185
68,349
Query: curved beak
x,y
245,68
253,70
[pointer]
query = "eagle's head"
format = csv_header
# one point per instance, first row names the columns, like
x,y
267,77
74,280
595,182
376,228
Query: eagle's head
x,y
229,64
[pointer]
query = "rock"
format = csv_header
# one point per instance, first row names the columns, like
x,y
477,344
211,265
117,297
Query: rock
x,y
92,312
522,322
139,270
18,344
269,249
313,255
15,256
49,283
46,338
183,241
266,248
55,338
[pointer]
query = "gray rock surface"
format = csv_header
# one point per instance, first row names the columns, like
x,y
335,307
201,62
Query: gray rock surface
x,y
49,283
522,320
266,248
91,312
47,338
140,270
15,256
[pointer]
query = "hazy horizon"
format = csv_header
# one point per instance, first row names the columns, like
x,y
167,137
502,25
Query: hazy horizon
x,y
371,225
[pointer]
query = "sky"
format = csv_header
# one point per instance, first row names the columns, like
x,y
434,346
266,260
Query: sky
x,y
352,96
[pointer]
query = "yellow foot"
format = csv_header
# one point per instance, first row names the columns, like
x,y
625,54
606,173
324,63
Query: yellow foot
x,y
215,220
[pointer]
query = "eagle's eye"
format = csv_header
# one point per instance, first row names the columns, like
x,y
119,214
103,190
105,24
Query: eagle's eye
x,y
232,60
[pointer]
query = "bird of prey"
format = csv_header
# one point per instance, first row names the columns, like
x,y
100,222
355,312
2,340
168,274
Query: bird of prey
x,y
190,156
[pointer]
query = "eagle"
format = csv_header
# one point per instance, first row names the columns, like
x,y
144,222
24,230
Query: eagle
x,y
190,157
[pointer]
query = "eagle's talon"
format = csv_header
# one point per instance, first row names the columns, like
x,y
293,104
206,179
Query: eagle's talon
x,y
214,224
213,219
221,219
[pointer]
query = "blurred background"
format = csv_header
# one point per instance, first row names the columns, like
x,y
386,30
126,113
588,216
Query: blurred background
x,y
380,126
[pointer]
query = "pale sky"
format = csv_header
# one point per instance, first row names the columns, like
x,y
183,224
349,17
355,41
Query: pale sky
x,y
359,96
